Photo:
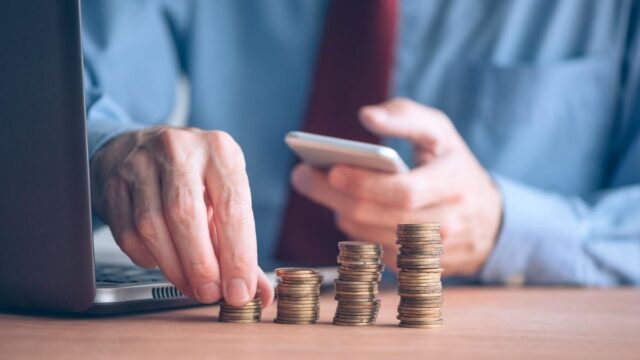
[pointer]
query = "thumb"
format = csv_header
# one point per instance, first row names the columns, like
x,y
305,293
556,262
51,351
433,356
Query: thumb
x,y
426,127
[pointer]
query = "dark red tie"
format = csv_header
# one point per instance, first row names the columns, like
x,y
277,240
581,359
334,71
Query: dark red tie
x,y
353,69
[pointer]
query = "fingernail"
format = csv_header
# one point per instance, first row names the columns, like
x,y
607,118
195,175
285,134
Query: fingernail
x,y
208,293
301,178
237,291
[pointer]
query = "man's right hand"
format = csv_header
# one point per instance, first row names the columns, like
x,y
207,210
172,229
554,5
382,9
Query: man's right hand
x,y
180,199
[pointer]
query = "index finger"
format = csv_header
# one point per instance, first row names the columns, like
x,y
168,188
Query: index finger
x,y
423,186
230,195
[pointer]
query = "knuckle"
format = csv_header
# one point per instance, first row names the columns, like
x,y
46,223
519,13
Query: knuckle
x,y
401,105
148,225
240,261
406,196
133,165
182,209
232,206
225,148
201,270
221,138
222,142
172,142
172,137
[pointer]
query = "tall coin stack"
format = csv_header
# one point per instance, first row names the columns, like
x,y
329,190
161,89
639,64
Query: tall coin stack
x,y
249,313
419,275
298,291
357,284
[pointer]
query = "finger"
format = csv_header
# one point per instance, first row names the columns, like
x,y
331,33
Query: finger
x,y
457,262
370,213
313,184
120,219
266,289
426,127
152,227
186,216
230,195
361,208
423,186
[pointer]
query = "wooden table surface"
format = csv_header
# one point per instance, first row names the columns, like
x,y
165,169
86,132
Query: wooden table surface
x,y
479,323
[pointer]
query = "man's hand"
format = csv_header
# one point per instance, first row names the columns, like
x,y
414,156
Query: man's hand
x,y
179,199
449,186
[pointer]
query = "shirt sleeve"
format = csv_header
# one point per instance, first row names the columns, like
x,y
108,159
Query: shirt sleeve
x,y
553,238
134,54
548,238
105,118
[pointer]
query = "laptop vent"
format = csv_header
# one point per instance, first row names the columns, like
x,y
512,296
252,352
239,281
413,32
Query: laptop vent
x,y
165,292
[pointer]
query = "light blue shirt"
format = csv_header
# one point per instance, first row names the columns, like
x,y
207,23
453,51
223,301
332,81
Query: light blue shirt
x,y
546,93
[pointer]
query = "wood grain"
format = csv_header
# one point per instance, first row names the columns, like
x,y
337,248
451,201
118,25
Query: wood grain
x,y
480,323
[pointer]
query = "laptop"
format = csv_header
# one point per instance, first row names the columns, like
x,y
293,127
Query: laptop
x,y
46,248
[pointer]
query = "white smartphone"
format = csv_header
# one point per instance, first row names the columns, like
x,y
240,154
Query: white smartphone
x,y
326,151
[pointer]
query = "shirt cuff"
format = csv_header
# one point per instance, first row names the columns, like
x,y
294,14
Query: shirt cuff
x,y
106,120
539,242
101,130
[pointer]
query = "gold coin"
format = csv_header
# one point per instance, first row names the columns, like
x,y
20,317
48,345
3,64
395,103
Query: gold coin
x,y
294,322
419,326
296,270
360,254
355,245
362,268
297,318
298,301
239,321
423,322
419,225
339,323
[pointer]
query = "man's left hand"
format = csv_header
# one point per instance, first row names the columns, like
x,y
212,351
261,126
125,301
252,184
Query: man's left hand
x,y
448,186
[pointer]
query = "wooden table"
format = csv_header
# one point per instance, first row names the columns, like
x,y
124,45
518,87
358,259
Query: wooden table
x,y
479,323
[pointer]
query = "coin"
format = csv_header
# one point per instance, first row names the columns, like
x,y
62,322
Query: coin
x,y
294,322
356,288
251,312
418,226
419,275
339,323
298,290
359,246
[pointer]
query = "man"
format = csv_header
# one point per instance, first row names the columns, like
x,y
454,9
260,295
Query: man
x,y
524,122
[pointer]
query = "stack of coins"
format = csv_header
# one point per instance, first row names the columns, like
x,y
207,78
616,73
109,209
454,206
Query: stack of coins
x,y
298,291
357,284
249,313
419,275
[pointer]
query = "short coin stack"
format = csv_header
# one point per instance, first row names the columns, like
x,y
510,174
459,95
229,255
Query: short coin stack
x,y
357,284
298,291
419,275
249,313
